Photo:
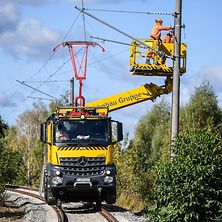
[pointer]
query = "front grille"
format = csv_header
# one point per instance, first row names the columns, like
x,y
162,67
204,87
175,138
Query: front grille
x,y
83,166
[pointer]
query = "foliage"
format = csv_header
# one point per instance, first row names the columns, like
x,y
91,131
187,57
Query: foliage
x,y
9,162
3,127
24,138
190,187
134,174
202,111
150,137
152,142
131,202
62,102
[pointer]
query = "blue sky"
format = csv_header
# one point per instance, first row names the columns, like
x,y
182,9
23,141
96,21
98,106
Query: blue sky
x,y
30,29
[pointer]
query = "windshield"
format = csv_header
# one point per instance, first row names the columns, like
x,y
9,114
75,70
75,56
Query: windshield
x,y
82,132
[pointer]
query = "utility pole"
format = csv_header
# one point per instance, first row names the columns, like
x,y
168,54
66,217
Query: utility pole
x,y
176,75
71,92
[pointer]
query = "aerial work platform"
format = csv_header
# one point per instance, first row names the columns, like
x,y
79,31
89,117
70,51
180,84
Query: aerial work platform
x,y
157,60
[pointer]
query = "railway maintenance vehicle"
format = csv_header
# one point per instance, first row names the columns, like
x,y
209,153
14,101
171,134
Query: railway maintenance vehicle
x,y
80,139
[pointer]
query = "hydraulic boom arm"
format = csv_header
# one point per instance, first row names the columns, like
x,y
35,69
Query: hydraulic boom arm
x,y
133,96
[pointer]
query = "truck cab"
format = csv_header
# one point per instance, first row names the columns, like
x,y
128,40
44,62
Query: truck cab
x,y
79,155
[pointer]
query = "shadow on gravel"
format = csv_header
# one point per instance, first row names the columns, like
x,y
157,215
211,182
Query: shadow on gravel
x,y
114,208
11,212
86,209
15,214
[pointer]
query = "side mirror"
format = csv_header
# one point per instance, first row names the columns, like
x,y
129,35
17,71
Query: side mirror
x,y
43,134
117,131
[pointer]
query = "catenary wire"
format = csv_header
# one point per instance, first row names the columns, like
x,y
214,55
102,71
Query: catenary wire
x,y
64,63
134,12
40,98
118,53
52,81
36,89
53,53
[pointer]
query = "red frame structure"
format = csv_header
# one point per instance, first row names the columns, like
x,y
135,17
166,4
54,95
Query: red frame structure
x,y
79,66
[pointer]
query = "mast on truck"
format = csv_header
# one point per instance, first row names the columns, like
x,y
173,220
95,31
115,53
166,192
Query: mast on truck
x,y
79,64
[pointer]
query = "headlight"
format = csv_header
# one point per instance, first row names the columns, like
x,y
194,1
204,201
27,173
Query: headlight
x,y
108,172
57,172
108,179
57,180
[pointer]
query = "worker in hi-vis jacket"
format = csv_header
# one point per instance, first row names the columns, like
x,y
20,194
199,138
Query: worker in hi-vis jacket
x,y
157,28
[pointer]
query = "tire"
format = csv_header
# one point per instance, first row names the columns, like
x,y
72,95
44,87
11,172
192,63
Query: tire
x,y
111,197
50,199
59,202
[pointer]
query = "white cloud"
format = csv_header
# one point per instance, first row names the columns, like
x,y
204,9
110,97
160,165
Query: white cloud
x,y
213,74
6,100
29,39
29,2
8,16
191,80
25,38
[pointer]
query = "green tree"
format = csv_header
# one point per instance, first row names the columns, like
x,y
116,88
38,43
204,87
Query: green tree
x,y
152,139
24,137
9,162
3,127
190,187
202,111
63,101
137,161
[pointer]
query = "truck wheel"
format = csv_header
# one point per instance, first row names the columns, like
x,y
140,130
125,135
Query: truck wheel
x,y
50,198
111,197
59,202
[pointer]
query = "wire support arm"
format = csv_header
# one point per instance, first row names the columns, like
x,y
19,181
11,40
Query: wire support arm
x,y
22,82
114,41
112,27
123,33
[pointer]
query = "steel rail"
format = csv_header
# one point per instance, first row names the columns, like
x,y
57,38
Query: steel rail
x,y
59,211
109,217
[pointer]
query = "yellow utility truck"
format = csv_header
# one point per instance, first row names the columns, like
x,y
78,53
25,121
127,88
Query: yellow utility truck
x,y
80,163
80,144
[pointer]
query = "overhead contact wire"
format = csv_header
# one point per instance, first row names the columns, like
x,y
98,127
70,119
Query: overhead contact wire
x,y
53,74
132,12
48,78
71,27
118,53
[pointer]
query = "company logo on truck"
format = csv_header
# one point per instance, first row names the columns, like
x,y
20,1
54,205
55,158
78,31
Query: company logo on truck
x,y
82,161
125,99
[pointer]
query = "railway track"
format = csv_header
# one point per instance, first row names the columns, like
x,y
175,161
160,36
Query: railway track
x,y
60,211
28,191
107,215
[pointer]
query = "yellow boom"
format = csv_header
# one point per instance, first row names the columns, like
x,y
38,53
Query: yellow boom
x,y
133,96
